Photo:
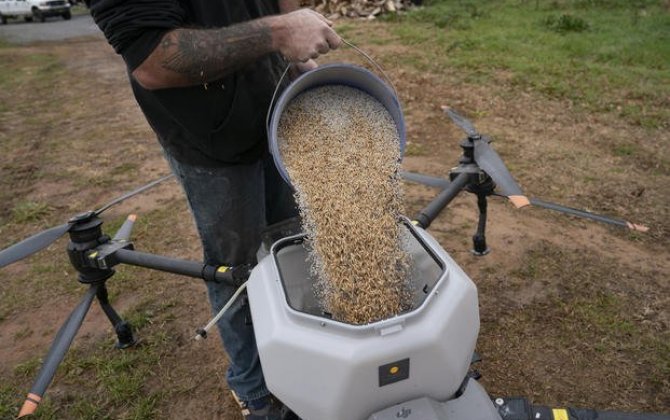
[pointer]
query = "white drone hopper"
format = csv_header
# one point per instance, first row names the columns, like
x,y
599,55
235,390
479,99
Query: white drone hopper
x,y
329,370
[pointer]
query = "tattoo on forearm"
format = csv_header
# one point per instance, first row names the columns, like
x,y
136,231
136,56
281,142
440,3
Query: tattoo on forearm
x,y
204,55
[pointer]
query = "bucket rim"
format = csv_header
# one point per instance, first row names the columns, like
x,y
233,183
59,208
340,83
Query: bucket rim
x,y
282,102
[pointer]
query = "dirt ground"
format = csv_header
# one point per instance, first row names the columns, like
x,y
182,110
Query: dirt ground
x,y
572,312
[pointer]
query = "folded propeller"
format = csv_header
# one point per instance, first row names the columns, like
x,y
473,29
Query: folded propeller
x,y
490,162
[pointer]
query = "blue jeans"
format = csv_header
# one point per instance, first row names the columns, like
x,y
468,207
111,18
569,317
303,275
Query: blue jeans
x,y
231,206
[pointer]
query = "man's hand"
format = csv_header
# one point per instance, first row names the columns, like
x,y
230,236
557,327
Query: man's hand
x,y
303,35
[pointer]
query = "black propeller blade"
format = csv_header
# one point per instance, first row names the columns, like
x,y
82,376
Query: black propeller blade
x,y
132,193
460,121
441,183
57,352
489,161
587,215
492,164
33,244
45,238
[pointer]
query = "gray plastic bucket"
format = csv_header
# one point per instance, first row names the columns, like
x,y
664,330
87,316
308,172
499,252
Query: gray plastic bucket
x,y
335,74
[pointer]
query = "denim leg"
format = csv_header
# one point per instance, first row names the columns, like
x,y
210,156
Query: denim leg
x,y
229,208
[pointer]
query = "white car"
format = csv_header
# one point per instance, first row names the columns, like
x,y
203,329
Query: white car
x,y
34,9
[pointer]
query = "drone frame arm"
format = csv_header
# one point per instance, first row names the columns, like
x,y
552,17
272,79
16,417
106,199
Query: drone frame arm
x,y
433,209
234,276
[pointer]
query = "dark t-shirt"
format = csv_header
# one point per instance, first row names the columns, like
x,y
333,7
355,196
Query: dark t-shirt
x,y
220,123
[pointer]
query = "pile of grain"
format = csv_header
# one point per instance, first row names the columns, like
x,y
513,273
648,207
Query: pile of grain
x,y
340,148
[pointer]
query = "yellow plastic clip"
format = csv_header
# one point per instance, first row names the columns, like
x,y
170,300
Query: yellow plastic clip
x,y
560,414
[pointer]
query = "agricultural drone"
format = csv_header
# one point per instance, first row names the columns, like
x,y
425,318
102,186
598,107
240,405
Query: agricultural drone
x,y
415,366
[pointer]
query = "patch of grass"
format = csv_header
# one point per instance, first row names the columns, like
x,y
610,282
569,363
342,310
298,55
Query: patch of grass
x,y
566,23
122,385
139,317
124,168
8,398
604,312
591,68
624,150
36,70
26,332
145,407
89,410
529,270
639,114
28,368
29,211
42,268
414,149
345,29
118,378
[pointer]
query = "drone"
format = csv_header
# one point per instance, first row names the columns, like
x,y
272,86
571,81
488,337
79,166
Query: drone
x,y
415,366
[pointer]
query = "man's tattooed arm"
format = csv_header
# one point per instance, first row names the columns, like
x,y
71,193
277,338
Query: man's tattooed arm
x,y
187,57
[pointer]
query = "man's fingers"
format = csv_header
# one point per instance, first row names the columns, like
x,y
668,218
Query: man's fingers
x,y
322,47
309,65
333,39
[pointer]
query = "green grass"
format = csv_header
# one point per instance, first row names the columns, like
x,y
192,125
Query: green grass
x,y
605,55
37,70
414,149
116,381
624,150
596,321
8,397
28,368
29,211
